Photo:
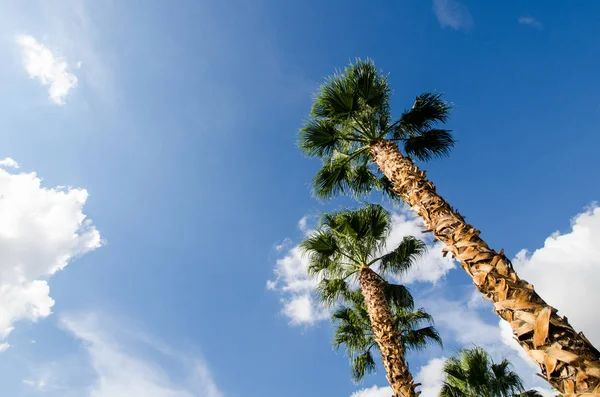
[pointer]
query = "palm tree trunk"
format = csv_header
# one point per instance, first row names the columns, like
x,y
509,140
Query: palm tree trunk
x,y
386,334
566,358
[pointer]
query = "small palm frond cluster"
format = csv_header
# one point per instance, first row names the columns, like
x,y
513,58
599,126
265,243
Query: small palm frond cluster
x,y
353,328
473,374
347,240
350,113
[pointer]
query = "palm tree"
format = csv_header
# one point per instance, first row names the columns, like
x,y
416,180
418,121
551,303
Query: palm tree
x,y
342,252
474,374
351,129
353,328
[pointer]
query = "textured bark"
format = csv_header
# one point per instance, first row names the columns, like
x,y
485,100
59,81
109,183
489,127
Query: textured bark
x,y
386,334
567,360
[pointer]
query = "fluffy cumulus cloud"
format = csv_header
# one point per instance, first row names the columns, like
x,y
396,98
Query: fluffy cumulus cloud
x,y
41,231
431,377
292,281
49,69
532,22
566,272
453,14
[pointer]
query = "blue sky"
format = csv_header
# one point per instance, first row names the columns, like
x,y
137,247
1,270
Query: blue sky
x,y
172,129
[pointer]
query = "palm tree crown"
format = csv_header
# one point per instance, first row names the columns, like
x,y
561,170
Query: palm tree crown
x,y
474,374
353,328
347,240
350,113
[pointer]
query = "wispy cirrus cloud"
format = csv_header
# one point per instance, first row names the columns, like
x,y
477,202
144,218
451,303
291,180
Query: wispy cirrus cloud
x,y
117,359
453,14
49,69
532,22
121,372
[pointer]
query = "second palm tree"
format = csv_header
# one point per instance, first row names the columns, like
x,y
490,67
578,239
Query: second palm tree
x,y
342,252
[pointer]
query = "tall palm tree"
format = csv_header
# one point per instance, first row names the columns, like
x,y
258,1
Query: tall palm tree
x,y
351,129
474,374
353,328
343,252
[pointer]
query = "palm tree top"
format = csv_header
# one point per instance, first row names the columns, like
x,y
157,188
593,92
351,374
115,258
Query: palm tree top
x,y
348,239
351,112
474,374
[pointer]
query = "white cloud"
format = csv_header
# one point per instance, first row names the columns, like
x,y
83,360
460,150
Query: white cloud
x,y
4,347
431,377
566,272
529,21
432,266
41,231
292,281
508,339
303,224
374,391
460,323
121,373
49,69
303,310
453,13
9,163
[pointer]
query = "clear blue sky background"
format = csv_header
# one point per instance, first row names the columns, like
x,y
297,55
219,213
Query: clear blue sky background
x,y
183,131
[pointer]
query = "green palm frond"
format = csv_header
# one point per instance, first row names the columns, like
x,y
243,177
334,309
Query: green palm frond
x,y
399,298
319,138
371,87
334,177
337,99
427,110
361,87
420,339
506,382
408,318
346,174
330,290
450,390
362,365
403,257
324,252
429,144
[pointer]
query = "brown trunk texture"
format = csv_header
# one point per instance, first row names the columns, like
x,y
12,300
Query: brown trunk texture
x,y
567,360
386,334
